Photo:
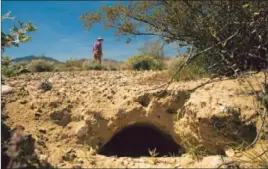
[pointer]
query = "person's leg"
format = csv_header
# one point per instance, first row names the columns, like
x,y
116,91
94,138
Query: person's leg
x,y
95,56
99,57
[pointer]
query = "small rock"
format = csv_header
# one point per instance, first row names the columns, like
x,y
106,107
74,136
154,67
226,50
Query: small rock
x,y
6,89
223,109
81,129
177,166
230,152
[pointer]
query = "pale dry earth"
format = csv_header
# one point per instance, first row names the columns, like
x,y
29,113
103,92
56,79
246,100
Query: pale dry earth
x,y
85,109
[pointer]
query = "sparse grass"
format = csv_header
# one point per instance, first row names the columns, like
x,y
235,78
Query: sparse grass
x,y
194,150
172,154
179,114
153,154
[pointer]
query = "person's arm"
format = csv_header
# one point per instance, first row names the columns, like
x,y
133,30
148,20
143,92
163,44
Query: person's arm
x,y
94,48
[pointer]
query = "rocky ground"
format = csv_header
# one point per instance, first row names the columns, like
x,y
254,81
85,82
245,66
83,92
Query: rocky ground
x,y
82,111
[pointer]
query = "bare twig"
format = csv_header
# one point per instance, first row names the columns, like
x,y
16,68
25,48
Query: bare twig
x,y
7,16
226,163
258,156
264,113
265,87
190,58
258,134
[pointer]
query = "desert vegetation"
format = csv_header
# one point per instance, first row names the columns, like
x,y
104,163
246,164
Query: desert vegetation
x,y
216,111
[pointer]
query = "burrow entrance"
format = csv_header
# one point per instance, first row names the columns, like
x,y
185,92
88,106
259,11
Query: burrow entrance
x,y
136,140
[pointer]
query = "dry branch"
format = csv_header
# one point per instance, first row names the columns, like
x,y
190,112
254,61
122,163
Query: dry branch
x,y
190,58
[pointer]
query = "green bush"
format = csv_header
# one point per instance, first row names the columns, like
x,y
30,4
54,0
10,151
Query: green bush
x,y
144,62
41,66
7,69
12,69
192,71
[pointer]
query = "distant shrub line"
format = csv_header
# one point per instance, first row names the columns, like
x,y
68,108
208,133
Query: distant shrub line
x,y
137,63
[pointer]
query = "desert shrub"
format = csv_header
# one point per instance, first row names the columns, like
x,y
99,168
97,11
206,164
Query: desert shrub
x,y
86,64
144,62
95,65
59,67
7,69
192,71
41,66
74,64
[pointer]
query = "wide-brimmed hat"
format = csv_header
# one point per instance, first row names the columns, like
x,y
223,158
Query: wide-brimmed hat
x,y
100,38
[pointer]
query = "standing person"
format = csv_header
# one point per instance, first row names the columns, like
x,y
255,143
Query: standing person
x,y
97,50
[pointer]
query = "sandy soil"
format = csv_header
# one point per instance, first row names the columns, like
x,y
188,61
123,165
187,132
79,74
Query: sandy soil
x,y
85,109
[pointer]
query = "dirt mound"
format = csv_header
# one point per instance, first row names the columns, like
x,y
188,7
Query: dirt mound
x,y
96,109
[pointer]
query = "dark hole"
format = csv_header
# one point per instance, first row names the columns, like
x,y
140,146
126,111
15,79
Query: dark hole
x,y
136,140
144,100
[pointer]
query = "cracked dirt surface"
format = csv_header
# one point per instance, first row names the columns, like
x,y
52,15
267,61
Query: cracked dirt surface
x,y
85,109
